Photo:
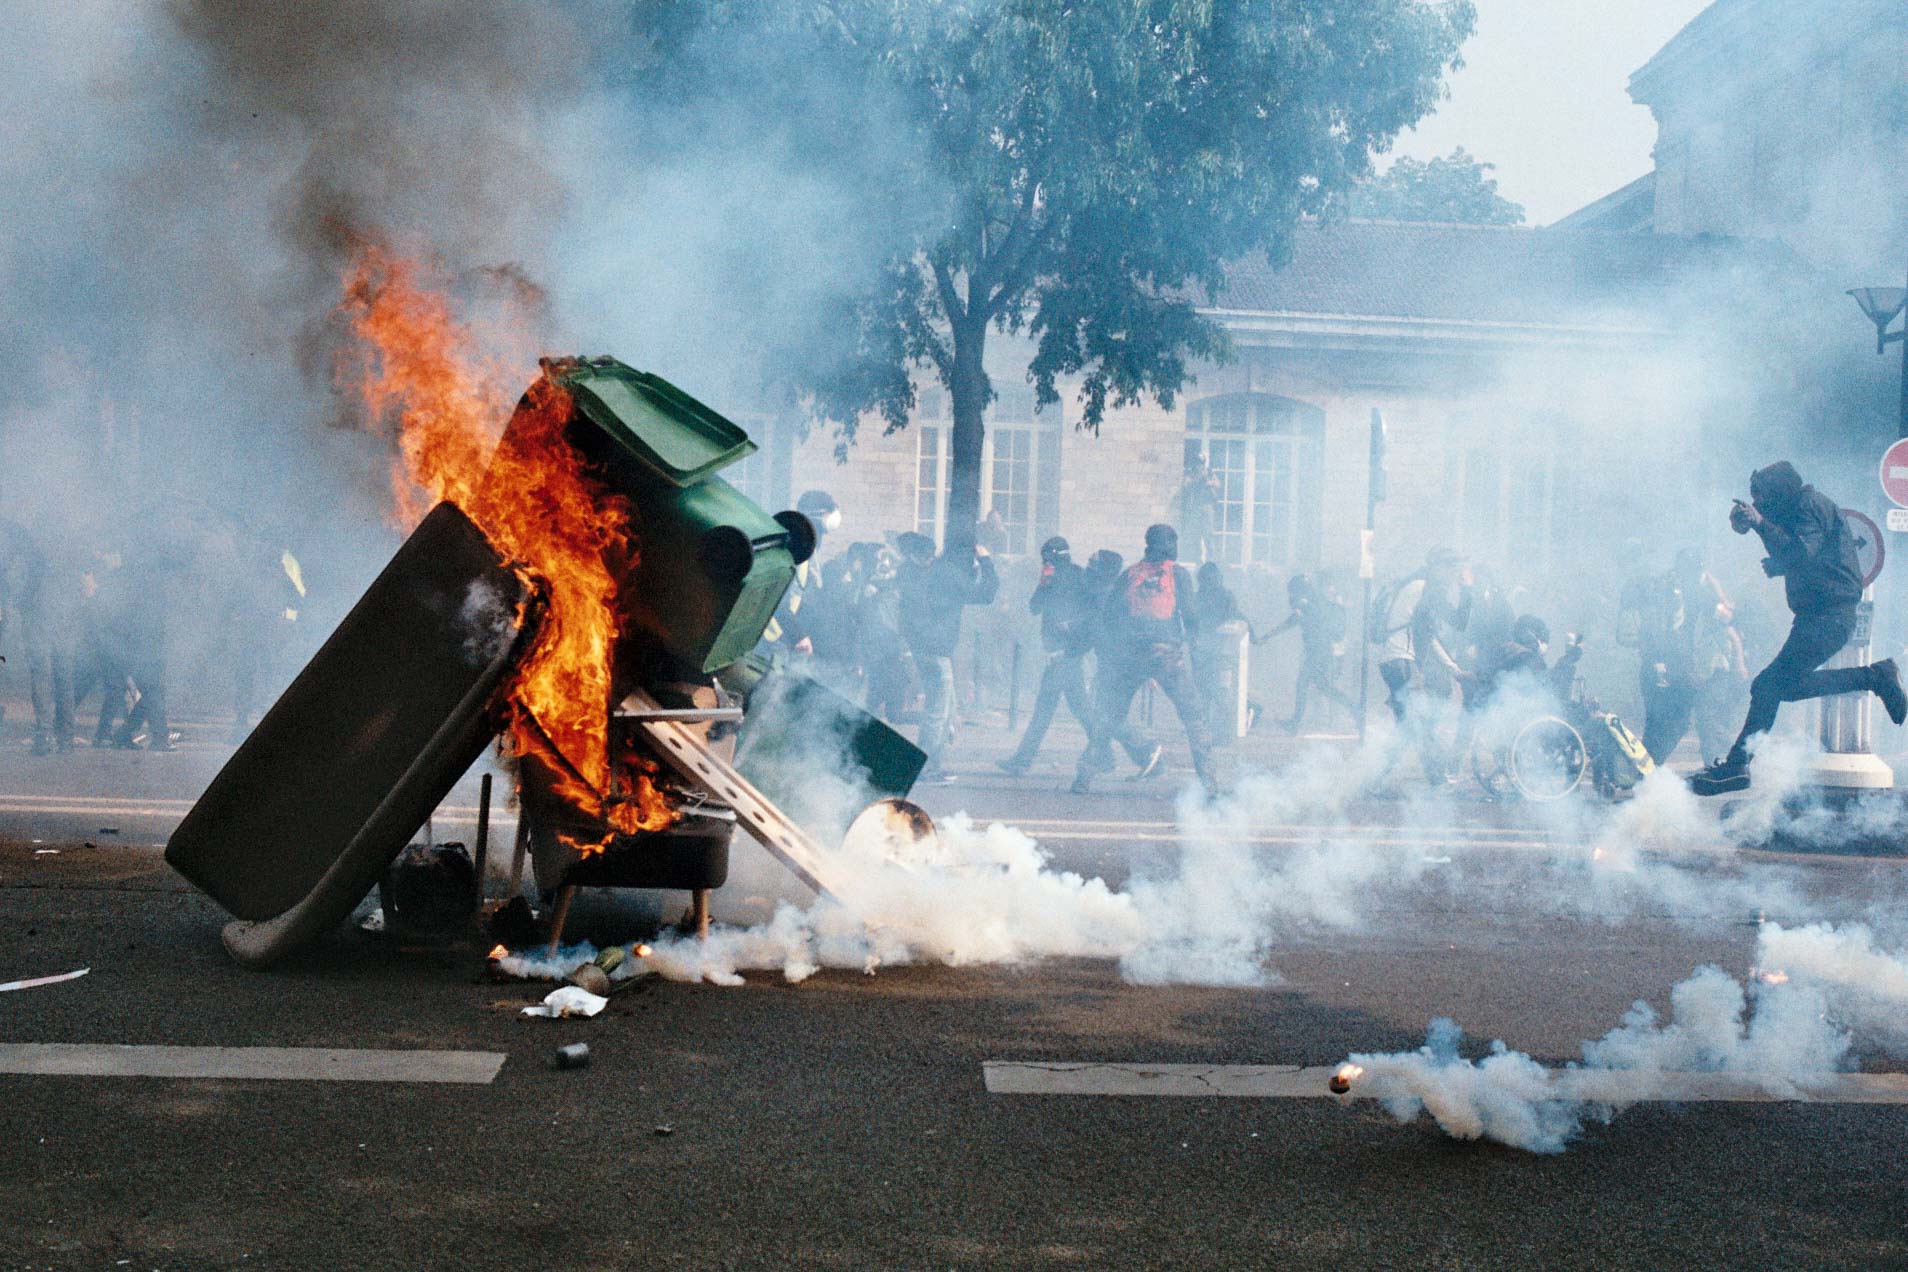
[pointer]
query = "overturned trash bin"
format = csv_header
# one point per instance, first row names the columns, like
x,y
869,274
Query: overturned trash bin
x,y
401,701
396,706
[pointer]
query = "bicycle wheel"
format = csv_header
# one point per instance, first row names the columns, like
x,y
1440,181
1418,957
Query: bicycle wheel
x,y
1490,766
1547,759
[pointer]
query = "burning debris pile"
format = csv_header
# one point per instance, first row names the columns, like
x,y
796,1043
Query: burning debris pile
x,y
576,576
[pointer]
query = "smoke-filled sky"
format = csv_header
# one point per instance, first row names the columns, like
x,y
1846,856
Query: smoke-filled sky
x,y
1546,79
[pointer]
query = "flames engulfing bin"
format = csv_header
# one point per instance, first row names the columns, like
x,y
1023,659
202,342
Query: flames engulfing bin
x,y
710,565
709,569
402,699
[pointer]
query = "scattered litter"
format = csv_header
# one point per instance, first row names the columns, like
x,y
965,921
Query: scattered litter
x,y
568,1001
43,980
595,974
1437,861
46,852
574,1056
372,922
39,841
109,830
665,1129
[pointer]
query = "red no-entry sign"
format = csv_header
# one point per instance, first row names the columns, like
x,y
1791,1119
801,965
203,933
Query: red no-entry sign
x,y
1870,551
1894,473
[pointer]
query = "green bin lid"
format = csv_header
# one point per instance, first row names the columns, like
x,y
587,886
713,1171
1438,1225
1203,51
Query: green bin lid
x,y
664,429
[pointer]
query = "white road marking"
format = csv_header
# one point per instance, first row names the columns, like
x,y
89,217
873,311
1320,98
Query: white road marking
x,y
296,1064
38,981
1053,829
1296,1082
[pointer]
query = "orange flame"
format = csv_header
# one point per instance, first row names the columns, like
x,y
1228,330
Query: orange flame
x,y
534,499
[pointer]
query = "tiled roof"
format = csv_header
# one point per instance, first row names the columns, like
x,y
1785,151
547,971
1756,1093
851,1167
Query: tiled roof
x,y
1489,274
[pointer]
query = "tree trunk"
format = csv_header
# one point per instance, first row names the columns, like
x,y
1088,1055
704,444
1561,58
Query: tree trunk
x,y
968,389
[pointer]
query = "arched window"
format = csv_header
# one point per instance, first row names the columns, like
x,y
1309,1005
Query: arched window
x,y
1020,465
1506,483
1265,457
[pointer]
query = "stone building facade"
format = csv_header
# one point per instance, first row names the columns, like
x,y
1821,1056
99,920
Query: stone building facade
x,y
1565,406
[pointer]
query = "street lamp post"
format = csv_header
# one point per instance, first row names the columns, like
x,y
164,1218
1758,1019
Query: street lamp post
x,y
1848,762
1883,305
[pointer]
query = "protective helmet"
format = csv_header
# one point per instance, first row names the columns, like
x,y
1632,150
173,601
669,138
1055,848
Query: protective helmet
x,y
1530,632
1055,550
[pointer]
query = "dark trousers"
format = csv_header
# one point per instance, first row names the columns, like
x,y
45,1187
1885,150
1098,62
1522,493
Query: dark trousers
x,y
1791,675
1396,673
1667,709
1120,678
149,713
1318,671
1064,676
49,657
937,706
98,668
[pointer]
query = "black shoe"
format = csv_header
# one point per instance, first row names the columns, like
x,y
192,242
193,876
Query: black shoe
x,y
1013,766
1082,785
1724,777
1888,688
1154,763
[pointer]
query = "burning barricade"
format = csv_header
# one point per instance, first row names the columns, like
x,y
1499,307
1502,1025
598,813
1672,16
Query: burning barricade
x,y
592,594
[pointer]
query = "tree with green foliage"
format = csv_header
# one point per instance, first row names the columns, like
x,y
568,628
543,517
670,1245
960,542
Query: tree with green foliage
x,y
1454,188
1090,168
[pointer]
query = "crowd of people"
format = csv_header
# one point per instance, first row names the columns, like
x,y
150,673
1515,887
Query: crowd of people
x,y
88,625
883,622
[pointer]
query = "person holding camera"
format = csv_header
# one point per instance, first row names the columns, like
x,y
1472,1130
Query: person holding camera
x,y
1812,552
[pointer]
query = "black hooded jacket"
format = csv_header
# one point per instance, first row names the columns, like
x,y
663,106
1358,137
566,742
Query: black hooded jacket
x,y
1809,545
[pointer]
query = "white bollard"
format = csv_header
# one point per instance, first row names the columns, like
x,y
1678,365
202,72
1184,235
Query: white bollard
x,y
1847,720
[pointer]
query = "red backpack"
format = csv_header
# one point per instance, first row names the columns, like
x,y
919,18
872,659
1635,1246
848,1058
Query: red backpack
x,y
1152,590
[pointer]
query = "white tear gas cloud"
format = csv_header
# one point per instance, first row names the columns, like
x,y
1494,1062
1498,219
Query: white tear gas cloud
x,y
1214,907
1791,1026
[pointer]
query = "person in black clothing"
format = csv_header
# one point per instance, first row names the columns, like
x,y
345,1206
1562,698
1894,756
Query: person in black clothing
x,y
151,573
1149,621
1811,551
882,650
789,633
1103,571
1065,607
934,591
1519,660
33,604
1319,615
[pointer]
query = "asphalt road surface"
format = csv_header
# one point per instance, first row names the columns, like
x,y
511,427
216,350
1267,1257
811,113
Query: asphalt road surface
x,y
844,1121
